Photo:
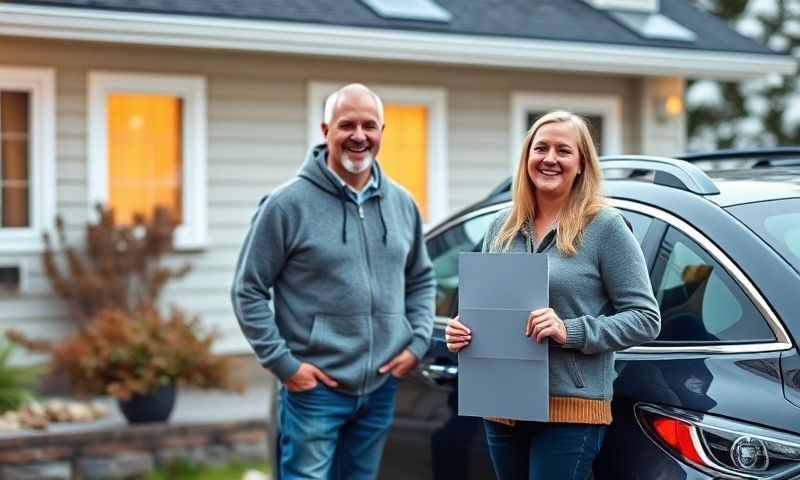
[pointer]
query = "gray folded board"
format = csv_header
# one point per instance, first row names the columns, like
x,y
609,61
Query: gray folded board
x,y
502,373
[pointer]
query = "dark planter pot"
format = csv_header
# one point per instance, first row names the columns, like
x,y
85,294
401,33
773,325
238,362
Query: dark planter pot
x,y
155,406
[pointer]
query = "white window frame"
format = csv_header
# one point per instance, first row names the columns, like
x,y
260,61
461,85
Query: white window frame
x,y
193,232
609,107
40,84
434,99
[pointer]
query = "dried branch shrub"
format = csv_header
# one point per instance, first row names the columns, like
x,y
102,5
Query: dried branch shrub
x,y
122,354
124,345
121,267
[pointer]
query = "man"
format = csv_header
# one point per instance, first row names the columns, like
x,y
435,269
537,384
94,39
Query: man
x,y
341,246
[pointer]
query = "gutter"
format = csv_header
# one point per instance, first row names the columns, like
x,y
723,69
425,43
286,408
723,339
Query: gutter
x,y
381,44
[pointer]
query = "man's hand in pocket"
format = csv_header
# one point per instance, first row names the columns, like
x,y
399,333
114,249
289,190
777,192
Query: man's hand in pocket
x,y
400,365
306,377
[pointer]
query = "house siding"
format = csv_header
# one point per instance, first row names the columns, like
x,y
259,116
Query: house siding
x,y
257,124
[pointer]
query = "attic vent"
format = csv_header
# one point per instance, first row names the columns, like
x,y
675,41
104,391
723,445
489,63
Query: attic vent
x,y
654,26
426,10
9,278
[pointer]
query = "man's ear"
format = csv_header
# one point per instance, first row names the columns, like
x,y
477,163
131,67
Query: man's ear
x,y
324,127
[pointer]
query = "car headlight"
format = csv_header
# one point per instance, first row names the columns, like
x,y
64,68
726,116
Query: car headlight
x,y
722,447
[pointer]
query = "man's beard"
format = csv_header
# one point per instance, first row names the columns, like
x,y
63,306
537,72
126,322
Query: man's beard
x,y
357,167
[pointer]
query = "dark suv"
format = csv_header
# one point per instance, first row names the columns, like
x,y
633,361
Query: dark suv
x,y
717,394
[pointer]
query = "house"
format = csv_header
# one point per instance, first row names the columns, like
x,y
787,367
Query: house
x,y
207,106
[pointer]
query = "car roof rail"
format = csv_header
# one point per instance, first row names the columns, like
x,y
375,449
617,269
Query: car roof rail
x,y
765,156
667,171
777,162
504,186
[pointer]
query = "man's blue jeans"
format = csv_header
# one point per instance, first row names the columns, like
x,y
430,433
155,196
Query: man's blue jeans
x,y
329,435
543,451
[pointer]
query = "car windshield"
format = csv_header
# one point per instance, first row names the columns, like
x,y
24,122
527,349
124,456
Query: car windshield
x,y
778,223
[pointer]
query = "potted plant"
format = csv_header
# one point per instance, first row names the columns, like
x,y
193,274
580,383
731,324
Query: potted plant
x,y
124,346
138,358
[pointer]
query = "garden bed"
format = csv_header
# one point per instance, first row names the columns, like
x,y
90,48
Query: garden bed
x,y
206,428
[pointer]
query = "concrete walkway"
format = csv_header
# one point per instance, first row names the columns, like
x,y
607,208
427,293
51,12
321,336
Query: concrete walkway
x,y
191,407
206,427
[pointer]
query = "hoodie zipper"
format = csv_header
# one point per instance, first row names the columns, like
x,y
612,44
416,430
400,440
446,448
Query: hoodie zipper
x,y
369,284
572,360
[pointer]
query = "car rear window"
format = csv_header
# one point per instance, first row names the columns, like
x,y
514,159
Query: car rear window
x,y
778,223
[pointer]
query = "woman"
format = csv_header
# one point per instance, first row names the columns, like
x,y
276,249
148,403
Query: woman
x,y
600,295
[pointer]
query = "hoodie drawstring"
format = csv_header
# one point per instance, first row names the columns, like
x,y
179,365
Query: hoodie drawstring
x,y
343,202
383,220
343,199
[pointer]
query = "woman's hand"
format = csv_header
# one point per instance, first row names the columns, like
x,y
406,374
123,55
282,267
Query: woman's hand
x,y
545,323
456,335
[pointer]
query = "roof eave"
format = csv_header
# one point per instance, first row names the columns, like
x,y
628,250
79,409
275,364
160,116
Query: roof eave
x,y
381,44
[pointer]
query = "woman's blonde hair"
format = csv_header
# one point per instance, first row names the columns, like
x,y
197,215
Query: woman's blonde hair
x,y
584,202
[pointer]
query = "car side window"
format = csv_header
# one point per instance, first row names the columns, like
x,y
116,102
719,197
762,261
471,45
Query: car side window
x,y
638,222
700,303
444,248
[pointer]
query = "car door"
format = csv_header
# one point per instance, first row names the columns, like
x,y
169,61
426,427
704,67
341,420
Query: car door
x,y
714,345
428,439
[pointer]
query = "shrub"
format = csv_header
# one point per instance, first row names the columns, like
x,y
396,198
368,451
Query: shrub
x,y
16,382
121,267
121,354
124,345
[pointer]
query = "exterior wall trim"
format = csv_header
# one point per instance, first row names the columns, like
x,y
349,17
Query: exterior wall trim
x,y
193,233
381,44
432,97
40,82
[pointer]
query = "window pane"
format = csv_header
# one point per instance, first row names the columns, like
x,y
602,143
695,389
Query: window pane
x,y
444,249
639,223
778,223
404,150
14,152
595,127
144,154
700,302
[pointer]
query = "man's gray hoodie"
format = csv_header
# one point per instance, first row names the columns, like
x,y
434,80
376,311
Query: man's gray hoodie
x,y
353,285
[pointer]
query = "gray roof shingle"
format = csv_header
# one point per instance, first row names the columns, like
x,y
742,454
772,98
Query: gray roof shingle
x,y
560,20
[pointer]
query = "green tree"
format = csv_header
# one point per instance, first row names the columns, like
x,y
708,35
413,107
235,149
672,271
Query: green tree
x,y
760,112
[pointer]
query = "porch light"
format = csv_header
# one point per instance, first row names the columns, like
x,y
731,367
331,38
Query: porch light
x,y
668,107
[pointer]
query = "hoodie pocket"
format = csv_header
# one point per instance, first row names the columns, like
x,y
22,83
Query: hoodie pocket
x,y
338,340
575,371
391,333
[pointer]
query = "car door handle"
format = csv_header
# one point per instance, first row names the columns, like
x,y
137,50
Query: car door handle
x,y
439,374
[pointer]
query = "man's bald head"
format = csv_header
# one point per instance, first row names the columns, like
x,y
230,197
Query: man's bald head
x,y
333,100
352,128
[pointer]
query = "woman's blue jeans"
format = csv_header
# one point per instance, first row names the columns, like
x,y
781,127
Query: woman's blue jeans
x,y
328,435
543,451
